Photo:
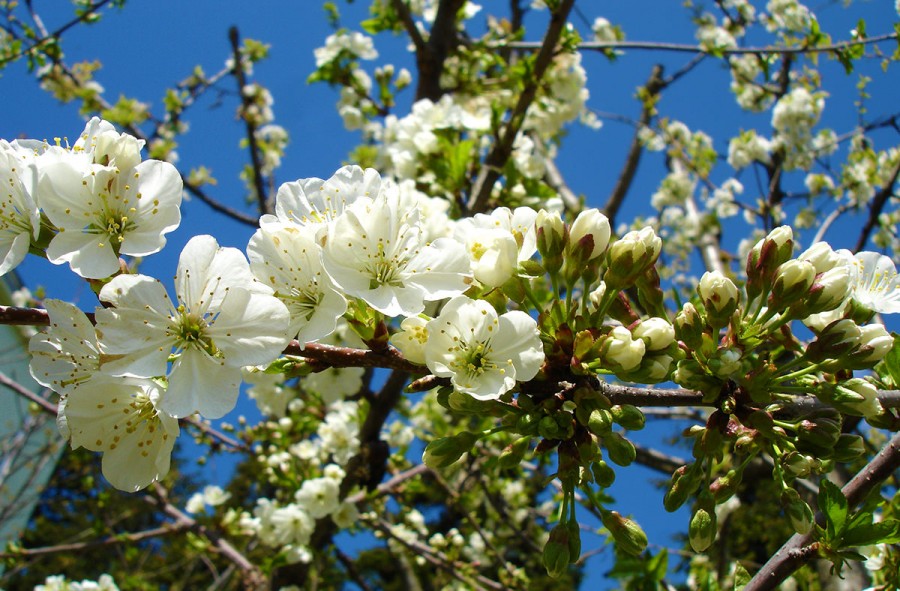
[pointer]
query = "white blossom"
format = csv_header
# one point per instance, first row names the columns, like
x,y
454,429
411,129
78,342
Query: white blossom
x,y
222,320
482,353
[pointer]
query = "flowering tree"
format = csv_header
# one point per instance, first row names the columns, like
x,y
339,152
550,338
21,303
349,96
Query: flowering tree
x,y
449,349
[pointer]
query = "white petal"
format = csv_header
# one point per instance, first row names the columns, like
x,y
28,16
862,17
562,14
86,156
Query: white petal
x,y
200,383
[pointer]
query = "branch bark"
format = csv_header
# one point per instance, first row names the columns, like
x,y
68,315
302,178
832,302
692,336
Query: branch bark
x,y
502,148
800,549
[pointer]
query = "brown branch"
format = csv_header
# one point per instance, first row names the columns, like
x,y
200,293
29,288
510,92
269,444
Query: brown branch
x,y
51,37
876,207
657,460
21,390
653,87
253,578
438,559
502,148
430,55
688,48
409,23
800,549
249,126
113,540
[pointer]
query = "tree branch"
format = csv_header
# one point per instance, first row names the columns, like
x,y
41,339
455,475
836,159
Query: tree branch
x,y
653,87
800,549
502,148
875,209
250,127
688,48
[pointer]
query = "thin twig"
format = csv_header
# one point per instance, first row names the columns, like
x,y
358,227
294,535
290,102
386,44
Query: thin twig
x,y
800,549
689,48
259,184
876,207
502,148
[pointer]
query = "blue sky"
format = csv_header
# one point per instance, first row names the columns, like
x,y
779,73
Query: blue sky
x,y
154,43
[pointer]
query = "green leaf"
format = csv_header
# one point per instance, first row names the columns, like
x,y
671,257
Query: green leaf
x,y
884,532
741,577
833,504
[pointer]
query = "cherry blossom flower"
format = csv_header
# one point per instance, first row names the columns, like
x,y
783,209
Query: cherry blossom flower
x,y
103,212
376,251
121,418
68,353
482,353
20,221
290,262
315,202
222,320
873,281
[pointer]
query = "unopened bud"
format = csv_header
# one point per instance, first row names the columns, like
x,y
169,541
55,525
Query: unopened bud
x,y
683,483
600,422
793,279
620,450
702,529
835,341
631,255
588,236
720,297
689,326
445,451
766,256
628,416
656,333
551,238
622,349
848,448
628,535
604,475
556,556
874,344
512,455
798,512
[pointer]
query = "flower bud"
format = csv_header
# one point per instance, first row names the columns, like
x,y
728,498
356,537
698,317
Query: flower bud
x,y
829,290
589,235
856,396
600,422
629,536
835,341
798,512
724,487
793,279
551,238
818,436
597,294
631,255
656,333
702,529
513,453
795,464
727,362
848,448
445,451
874,344
628,416
556,556
765,257
620,450
689,326
622,350
822,257
720,297
604,475
683,483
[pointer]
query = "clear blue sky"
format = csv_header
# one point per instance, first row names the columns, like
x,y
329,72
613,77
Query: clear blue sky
x,y
155,43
